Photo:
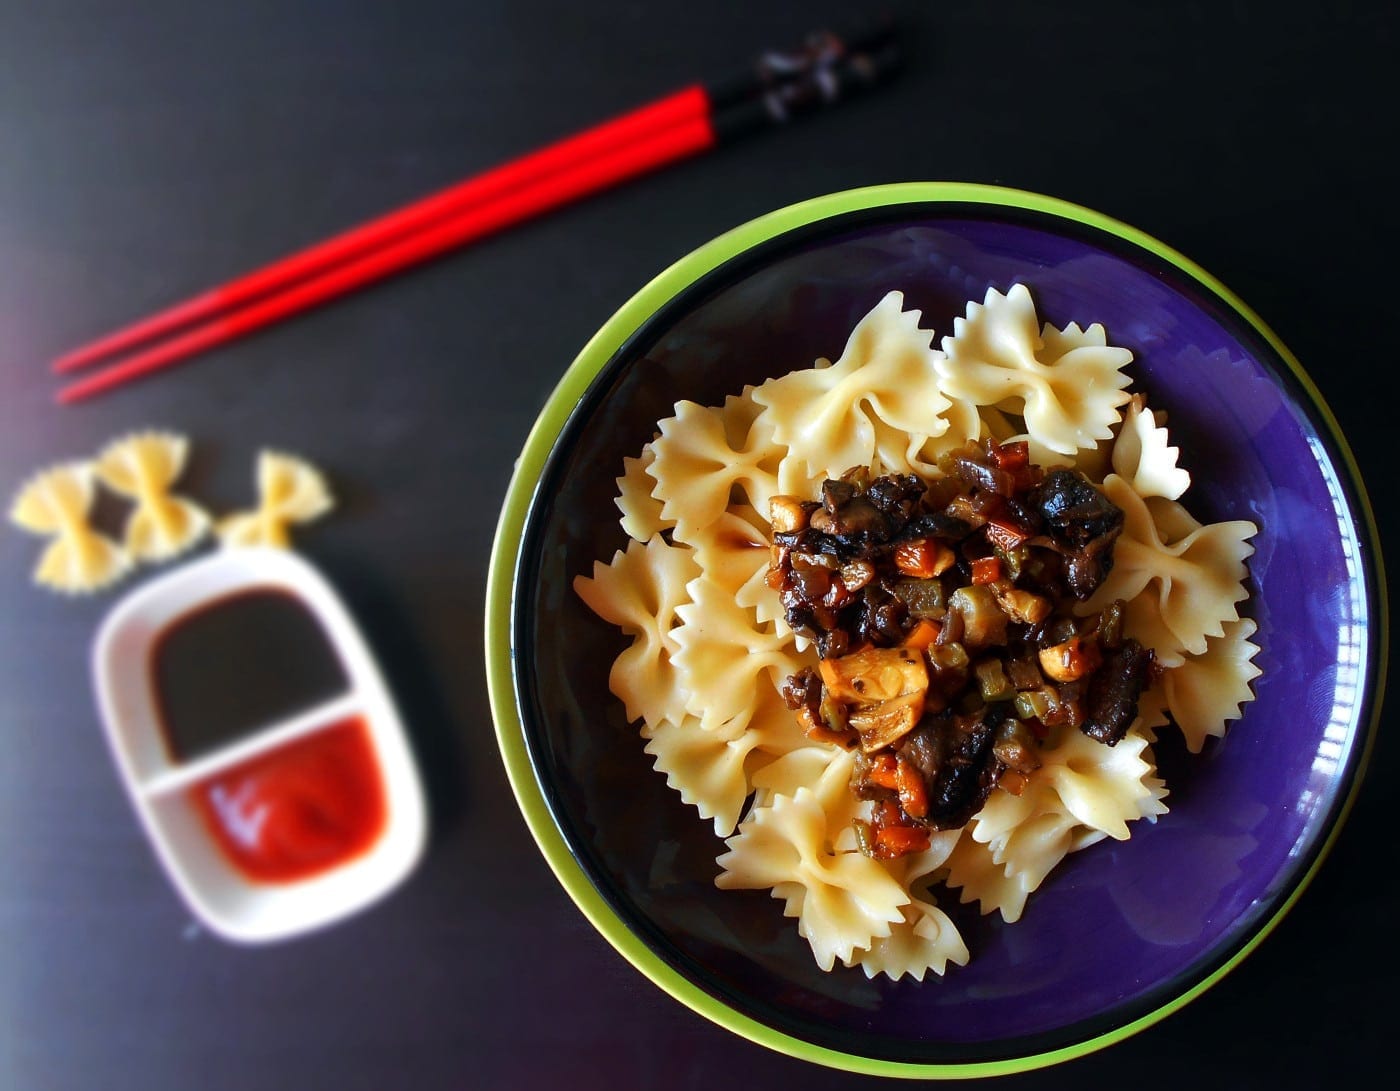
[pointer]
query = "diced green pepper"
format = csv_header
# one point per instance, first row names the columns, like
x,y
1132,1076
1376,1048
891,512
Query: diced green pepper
x,y
992,680
947,657
1034,704
984,623
924,598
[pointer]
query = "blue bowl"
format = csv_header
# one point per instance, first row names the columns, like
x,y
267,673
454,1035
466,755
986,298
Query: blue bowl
x,y
1120,935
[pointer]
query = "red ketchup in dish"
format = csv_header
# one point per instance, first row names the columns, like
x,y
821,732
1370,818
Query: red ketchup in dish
x,y
301,809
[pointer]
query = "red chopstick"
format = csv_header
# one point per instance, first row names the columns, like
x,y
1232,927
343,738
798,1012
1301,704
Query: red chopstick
x,y
662,148
685,105
680,125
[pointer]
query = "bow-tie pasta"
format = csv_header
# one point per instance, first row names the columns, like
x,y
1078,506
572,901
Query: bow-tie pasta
x,y
1207,691
290,490
843,901
879,404
697,465
725,658
926,940
639,592
1067,384
1143,457
1182,581
1082,792
733,554
144,468
717,775
55,503
769,740
641,512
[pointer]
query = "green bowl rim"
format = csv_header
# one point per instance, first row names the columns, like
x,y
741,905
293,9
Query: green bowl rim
x,y
499,645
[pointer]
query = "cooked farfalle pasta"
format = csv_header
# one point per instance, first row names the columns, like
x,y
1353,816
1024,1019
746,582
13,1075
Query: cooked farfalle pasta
x,y
732,552
879,404
56,502
1082,792
826,771
843,901
144,467
695,468
641,512
709,644
1207,691
975,876
639,592
1067,384
1180,588
1102,787
290,490
1143,457
716,774
927,939
724,658
711,773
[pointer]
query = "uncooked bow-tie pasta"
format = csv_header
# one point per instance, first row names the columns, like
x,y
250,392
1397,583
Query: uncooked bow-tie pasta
x,y
842,576
144,467
56,502
290,490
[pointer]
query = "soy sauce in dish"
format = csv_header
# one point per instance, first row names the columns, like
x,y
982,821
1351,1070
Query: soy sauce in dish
x,y
239,663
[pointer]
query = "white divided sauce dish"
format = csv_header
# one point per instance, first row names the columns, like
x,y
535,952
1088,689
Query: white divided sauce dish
x,y
171,793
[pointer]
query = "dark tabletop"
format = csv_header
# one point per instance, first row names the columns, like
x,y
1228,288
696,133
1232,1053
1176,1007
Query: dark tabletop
x,y
149,150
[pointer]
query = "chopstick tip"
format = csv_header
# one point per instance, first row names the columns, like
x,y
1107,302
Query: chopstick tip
x,y
77,391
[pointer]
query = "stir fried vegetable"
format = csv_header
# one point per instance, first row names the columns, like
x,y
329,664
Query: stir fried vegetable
x,y
942,616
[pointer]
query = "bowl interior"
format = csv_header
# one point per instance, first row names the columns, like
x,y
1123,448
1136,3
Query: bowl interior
x,y
1118,930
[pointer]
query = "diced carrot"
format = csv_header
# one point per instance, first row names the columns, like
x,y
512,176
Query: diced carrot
x,y
913,794
923,558
1005,534
986,570
884,772
895,841
1010,456
923,634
